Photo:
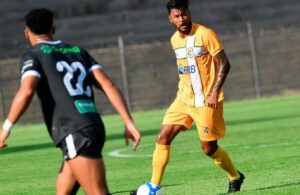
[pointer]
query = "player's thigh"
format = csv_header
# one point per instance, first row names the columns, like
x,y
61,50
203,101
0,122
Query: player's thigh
x,y
83,167
175,120
65,180
178,114
90,173
168,133
210,122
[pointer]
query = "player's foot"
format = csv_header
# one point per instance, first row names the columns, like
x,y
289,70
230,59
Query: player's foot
x,y
235,185
133,192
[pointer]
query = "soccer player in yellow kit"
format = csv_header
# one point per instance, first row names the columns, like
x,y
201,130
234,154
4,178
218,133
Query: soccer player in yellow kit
x,y
202,67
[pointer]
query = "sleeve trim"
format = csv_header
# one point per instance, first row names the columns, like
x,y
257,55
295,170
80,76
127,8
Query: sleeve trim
x,y
95,66
216,52
31,73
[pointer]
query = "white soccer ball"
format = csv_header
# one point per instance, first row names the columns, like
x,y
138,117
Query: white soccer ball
x,y
149,189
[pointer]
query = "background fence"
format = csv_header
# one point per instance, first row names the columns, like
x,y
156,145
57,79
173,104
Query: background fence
x,y
263,64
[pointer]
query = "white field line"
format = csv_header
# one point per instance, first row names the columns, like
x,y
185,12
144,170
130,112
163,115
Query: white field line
x,y
121,153
117,153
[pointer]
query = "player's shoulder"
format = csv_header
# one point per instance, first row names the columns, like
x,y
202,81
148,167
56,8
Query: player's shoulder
x,y
204,30
200,27
30,53
28,60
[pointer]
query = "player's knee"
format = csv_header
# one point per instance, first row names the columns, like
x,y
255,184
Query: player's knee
x,y
209,148
168,133
163,139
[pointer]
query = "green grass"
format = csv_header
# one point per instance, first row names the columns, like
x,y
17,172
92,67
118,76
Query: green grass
x,y
262,139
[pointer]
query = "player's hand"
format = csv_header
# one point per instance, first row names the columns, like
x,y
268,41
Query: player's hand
x,y
212,100
3,136
132,132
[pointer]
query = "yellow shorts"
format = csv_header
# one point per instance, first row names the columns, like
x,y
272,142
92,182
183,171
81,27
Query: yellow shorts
x,y
210,122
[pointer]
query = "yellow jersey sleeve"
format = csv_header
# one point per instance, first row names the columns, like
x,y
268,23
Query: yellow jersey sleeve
x,y
211,42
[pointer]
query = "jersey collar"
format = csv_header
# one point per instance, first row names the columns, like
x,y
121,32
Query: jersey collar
x,y
50,42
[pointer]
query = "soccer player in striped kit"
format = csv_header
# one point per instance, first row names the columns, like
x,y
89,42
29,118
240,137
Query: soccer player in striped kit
x,y
202,67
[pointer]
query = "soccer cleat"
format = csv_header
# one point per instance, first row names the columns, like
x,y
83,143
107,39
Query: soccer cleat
x,y
133,192
235,185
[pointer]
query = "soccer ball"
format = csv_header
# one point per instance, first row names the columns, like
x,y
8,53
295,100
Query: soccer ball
x,y
149,189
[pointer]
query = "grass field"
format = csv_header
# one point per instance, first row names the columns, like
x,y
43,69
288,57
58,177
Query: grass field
x,y
262,139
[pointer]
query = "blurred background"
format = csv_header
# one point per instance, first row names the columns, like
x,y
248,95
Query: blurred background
x,y
131,40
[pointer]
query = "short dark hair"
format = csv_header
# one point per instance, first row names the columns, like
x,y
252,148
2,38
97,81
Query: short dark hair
x,y
39,21
177,4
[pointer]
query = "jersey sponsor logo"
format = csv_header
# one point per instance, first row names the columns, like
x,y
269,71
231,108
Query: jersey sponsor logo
x,y
85,106
186,69
47,49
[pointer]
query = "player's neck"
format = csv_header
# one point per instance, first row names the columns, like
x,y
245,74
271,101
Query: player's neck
x,y
38,38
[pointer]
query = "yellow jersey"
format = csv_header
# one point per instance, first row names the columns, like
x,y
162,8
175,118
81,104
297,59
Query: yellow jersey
x,y
196,68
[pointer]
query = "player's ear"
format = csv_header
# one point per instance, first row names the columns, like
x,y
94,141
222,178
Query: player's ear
x,y
26,33
170,18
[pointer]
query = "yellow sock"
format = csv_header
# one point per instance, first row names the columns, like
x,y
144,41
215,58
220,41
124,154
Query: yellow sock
x,y
161,157
223,161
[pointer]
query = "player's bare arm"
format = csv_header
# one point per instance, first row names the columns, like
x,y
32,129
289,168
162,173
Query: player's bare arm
x,y
223,65
102,81
20,103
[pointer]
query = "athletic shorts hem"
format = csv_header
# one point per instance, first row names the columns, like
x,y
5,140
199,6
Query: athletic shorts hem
x,y
87,142
187,127
90,156
212,139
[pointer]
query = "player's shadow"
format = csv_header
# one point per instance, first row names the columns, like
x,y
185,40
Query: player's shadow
x,y
260,119
277,186
144,133
25,148
128,192
148,132
32,147
270,187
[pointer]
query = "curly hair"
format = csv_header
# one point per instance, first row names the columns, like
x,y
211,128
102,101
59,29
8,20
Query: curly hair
x,y
39,21
177,4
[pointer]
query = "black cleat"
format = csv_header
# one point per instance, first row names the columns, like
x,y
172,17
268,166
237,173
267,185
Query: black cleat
x,y
235,185
133,192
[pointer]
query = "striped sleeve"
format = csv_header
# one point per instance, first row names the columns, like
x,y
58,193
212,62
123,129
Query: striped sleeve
x,y
29,67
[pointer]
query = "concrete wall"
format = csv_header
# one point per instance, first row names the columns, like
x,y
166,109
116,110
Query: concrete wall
x,y
97,23
152,74
151,69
